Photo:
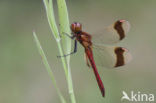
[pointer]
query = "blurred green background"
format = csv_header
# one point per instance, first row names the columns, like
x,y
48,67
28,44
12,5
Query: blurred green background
x,y
23,78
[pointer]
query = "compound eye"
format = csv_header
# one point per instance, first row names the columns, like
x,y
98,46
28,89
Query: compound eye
x,y
73,26
78,24
76,27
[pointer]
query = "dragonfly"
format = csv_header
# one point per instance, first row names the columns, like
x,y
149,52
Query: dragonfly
x,y
98,49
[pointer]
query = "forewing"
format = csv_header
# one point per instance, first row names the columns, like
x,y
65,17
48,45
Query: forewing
x,y
110,56
112,34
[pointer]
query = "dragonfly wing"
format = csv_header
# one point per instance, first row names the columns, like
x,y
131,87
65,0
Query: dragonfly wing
x,y
112,34
111,56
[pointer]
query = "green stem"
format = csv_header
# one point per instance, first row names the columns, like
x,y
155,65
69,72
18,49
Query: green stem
x,y
66,47
45,61
68,75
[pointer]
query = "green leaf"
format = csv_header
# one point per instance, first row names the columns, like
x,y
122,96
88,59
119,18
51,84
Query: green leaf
x,y
51,19
65,28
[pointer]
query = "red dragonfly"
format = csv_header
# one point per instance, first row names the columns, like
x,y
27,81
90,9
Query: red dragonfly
x,y
106,56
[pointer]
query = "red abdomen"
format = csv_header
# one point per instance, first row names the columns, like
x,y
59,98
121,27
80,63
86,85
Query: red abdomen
x,y
89,53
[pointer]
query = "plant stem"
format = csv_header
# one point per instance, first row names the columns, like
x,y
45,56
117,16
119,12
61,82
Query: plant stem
x,y
66,47
45,61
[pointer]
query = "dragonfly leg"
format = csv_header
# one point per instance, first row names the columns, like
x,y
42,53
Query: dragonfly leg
x,y
70,36
75,50
86,59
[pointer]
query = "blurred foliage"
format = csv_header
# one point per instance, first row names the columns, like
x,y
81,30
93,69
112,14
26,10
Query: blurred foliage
x,y
23,78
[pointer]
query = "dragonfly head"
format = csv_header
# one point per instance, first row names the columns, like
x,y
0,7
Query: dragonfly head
x,y
76,27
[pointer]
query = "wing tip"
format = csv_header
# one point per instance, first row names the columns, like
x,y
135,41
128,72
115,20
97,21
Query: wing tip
x,y
127,56
126,25
123,56
122,28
